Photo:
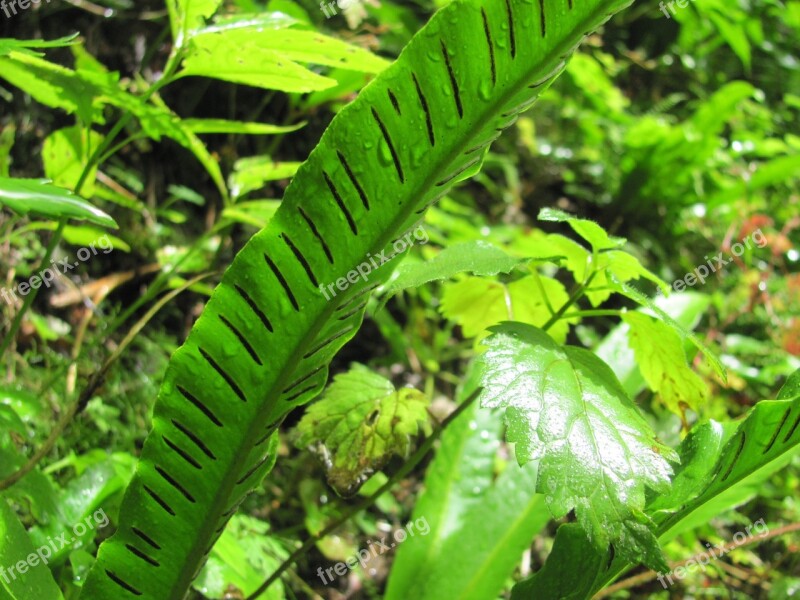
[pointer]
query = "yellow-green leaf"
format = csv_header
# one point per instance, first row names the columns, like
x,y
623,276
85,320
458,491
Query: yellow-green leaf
x,y
662,361
360,422
476,304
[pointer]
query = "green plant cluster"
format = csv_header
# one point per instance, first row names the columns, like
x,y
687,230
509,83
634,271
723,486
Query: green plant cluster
x,y
585,378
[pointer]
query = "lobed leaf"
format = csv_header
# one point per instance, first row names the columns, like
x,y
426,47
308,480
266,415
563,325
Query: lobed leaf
x,y
662,361
361,421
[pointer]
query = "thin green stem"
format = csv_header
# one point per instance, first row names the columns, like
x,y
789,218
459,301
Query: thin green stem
x,y
100,153
12,333
409,465
538,279
576,295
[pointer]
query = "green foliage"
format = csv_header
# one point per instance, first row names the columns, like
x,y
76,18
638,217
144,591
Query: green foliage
x,y
721,465
663,364
476,303
660,149
594,449
218,405
244,552
479,258
36,582
269,57
468,505
40,197
360,422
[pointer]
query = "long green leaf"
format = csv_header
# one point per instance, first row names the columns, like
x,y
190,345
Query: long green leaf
x,y
34,580
266,336
41,197
466,506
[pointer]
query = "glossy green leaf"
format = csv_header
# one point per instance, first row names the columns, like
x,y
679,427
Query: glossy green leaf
x,y
722,465
764,442
241,557
361,421
478,258
463,463
89,236
24,403
264,341
566,410
272,59
24,575
276,73
80,502
42,198
568,572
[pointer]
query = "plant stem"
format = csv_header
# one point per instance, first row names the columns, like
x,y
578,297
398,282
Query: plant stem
x,y
576,295
99,153
51,246
369,501
648,576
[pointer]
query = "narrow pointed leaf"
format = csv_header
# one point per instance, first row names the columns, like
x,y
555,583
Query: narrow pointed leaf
x,y
42,198
36,582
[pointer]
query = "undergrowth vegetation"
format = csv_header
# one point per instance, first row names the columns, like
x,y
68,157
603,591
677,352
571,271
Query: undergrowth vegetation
x,y
372,299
